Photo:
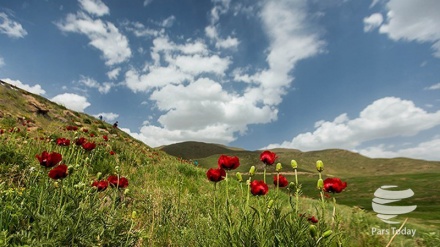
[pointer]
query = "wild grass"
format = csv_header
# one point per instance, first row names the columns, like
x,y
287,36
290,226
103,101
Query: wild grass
x,y
168,202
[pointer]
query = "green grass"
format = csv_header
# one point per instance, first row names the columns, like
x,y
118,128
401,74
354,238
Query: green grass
x,y
170,202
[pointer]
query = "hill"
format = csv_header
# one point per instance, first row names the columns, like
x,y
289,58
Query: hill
x,y
195,150
69,179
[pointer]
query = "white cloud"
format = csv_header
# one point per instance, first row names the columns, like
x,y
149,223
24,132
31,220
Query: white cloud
x,y
94,7
113,74
428,150
11,28
168,22
433,87
36,89
140,30
72,101
108,116
90,82
413,21
191,85
384,118
147,2
373,21
211,31
2,62
104,36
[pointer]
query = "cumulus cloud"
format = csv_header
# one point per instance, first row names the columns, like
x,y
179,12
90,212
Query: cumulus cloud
x,y
113,74
384,118
94,7
206,105
36,89
413,21
10,27
104,36
433,87
428,150
108,116
90,82
373,21
211,31
147,2
72,101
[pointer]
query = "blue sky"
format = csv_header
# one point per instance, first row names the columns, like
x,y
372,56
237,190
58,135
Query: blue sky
x,y
358,75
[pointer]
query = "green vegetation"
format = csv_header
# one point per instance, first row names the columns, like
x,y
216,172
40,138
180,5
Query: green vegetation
x,y
169,201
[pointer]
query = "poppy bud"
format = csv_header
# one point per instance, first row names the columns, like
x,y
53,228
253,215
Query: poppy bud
x,y
55,184
278,167
126,191
252,171
293,164
319,166
313,231
117,169
248,182
239,177
270,204
327,233
98,175
133,215
320,184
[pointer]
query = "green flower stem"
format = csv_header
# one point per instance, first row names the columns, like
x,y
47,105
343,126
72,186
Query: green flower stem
x,y
264,173
278,183
215,196
334,212
248,192
296,193
227,190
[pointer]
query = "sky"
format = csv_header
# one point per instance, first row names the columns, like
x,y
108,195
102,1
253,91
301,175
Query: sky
x,y
305,74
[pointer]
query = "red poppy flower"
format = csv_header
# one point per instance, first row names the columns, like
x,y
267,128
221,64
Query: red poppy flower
x,y
228,162
216,175
63,142
312,219
92,135
259,188
334,185
49,160
89,146
2,131
58,172
282,181
112,152
74,128
80,141
85,130
268,157
100,185
122,182
105,138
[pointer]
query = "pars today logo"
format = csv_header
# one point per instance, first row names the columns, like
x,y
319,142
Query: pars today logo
x,y
387,194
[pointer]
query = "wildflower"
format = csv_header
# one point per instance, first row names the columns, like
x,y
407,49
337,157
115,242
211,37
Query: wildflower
x,y
63,142
58,172
281,182
92,135
85,130
74,128
120,182
216,175
80,141
268,157
334,185
2,131
259,188
49,160
89,146
312,219
112,152
228,162
105,138
100,185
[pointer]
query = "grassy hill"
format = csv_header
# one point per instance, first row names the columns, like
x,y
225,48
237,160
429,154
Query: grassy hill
x,y
168,201
363,174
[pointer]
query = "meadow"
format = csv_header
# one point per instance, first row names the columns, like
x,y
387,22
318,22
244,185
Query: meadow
x,y
68,179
